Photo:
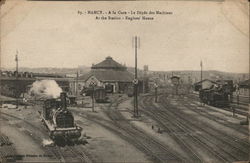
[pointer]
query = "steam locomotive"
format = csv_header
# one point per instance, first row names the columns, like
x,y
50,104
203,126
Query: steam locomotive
x,y
219,93
60,121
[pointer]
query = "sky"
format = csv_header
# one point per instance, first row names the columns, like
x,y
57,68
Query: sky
x,y
54,34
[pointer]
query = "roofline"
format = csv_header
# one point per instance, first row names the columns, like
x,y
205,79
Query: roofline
x,y
90,77
206,80
116,80
113,68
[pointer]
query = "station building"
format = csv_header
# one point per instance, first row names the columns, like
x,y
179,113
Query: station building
x,y
204,84
109,74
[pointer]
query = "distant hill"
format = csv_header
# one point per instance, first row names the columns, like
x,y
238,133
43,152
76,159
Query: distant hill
x,y
192,75
195,76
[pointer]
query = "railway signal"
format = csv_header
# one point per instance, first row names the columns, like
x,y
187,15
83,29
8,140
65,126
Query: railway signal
x,y
237,94
135,81
156,92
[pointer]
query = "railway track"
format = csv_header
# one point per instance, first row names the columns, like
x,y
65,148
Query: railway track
x,y
38,133
242,109
246,142
37,136
155,149
216,141
122,128
242,100
170,128
218,119
124,135
191,140
158,151
7,151
73,154
84,156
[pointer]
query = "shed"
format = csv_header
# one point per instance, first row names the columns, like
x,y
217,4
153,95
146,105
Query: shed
x,y
109,74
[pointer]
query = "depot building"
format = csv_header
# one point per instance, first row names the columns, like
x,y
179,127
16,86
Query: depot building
x,y
109,74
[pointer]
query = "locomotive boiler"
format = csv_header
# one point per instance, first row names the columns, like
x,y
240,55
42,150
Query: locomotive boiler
x,y
60,121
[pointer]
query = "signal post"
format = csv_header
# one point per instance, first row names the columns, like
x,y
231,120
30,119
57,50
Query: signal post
x,y
156,92
135,81
93,85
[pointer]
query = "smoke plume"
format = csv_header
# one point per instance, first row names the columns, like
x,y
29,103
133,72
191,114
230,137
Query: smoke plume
x,y
45,88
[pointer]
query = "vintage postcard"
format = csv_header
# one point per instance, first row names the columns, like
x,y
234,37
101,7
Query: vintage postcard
x,y
124,81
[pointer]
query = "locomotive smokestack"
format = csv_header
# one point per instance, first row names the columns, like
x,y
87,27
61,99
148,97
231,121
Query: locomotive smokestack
x,y
63,100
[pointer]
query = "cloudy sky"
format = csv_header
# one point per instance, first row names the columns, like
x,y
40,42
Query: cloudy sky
x,y
54,34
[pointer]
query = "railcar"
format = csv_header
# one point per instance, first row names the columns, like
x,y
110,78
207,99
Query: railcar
x,y
214,97
219,94
130,91
60,121
72,100
100,95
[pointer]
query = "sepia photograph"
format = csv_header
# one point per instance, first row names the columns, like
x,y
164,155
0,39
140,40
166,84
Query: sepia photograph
x,y
124,81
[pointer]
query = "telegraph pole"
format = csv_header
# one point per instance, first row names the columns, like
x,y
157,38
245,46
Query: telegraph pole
x,y
156,92
201,82
77,76
16,59
201,70
136,112
93,84
93,98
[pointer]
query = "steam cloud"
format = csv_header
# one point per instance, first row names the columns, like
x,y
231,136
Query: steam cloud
x,y
47,88
47,142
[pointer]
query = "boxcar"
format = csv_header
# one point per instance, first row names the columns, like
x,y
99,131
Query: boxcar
x,y
100,95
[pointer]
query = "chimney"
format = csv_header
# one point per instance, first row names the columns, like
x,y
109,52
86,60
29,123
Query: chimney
x,y
63,101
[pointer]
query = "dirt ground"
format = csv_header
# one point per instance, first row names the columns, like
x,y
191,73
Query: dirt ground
x,y
21,135
151,127
104,144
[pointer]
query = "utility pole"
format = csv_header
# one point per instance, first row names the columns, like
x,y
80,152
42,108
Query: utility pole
x,y
201,69
156,92
77,76
136,112
201,83
93,84
93,98
248,97
16,59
